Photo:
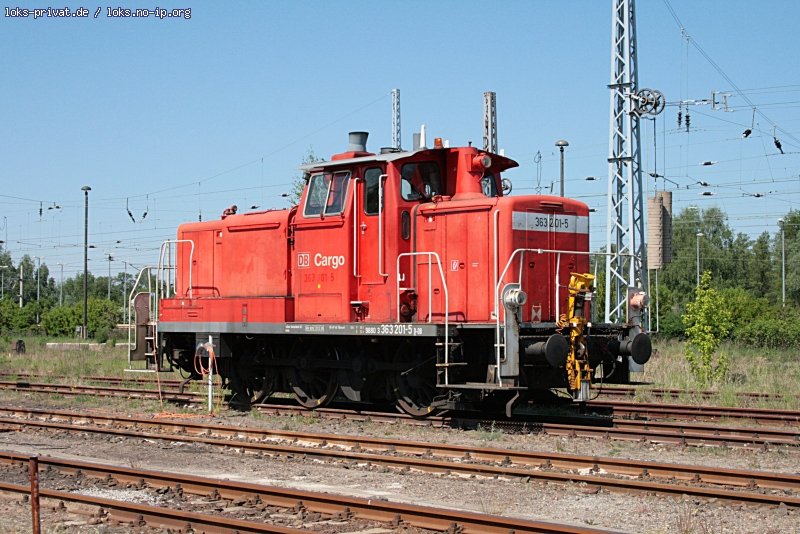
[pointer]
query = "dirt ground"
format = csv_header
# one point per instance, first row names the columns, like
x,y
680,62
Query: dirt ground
x,y
574,504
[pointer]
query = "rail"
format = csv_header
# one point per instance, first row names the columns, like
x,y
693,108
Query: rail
x,y
400,289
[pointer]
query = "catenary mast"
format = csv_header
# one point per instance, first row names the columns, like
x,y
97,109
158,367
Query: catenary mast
x,y
626,215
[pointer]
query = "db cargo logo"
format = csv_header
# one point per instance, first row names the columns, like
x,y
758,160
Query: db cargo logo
x,y
304,260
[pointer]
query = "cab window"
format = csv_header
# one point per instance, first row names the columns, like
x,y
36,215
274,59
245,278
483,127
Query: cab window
x,y
371,188
420,181
326,193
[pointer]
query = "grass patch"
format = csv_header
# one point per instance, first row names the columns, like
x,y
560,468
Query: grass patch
x,y
770,371
488,434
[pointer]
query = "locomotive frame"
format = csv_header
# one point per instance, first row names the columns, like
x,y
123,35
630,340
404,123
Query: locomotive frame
x,y
408,277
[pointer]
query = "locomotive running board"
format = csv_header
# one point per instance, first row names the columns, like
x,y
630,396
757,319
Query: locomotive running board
x,y
488,386
330,329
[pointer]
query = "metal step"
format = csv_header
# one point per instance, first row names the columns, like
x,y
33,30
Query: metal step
x,y
451,364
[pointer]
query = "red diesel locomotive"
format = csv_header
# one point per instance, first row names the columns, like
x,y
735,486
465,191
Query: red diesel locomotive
x,y
405,276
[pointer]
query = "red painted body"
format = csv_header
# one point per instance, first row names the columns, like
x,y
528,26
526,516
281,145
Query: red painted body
x,y
292,265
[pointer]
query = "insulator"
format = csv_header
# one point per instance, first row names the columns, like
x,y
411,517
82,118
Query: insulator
x,y
680,118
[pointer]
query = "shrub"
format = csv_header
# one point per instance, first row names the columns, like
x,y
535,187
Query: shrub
x,y
103,315
708,322
61,320
780,328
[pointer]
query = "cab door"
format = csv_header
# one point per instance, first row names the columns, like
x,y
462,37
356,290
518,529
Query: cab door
x,y
371,265
321,281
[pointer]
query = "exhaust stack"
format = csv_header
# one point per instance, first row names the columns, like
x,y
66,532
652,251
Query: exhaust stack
x,y
358,141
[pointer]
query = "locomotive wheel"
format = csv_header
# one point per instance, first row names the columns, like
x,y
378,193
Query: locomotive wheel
x,y
415,382
313,386
259,388
254,382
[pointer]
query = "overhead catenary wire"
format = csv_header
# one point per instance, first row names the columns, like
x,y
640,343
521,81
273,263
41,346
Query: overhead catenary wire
x,y
721,72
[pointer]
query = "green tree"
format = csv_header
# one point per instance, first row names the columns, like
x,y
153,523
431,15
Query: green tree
x,y
760,272
787,254
299,181
707,322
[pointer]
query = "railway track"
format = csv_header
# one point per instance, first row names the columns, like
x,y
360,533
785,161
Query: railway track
x,y
760,416
605,391
235,499
135,379
680,433
755,487
618,409
670,393
169,394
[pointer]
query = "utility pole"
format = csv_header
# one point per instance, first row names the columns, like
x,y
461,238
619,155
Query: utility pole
x,y
20,283
125,293
38,285
110,259
38,268
61,287
782,222
561,144
699,235
85,189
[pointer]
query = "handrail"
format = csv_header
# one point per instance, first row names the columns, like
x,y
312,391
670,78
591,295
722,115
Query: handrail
x,y
355,226
430,302
167,245
381,215
496,236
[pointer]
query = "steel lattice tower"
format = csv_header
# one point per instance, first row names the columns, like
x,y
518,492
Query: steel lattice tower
x,y
396,119
490,122
625,226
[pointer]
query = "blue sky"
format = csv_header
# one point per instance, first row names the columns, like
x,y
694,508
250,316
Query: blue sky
x,y
178,117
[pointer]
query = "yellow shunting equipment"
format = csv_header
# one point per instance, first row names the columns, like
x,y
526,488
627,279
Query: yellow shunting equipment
x,y
579,374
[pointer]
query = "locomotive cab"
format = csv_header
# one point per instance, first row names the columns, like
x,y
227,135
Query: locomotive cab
x,y
404,276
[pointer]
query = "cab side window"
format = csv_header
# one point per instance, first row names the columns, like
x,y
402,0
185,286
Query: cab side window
x,y
420,181
489,185
371,188
326,193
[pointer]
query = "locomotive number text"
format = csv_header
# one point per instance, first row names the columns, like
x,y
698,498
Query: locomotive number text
x,y
393,330
551,222
319,277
